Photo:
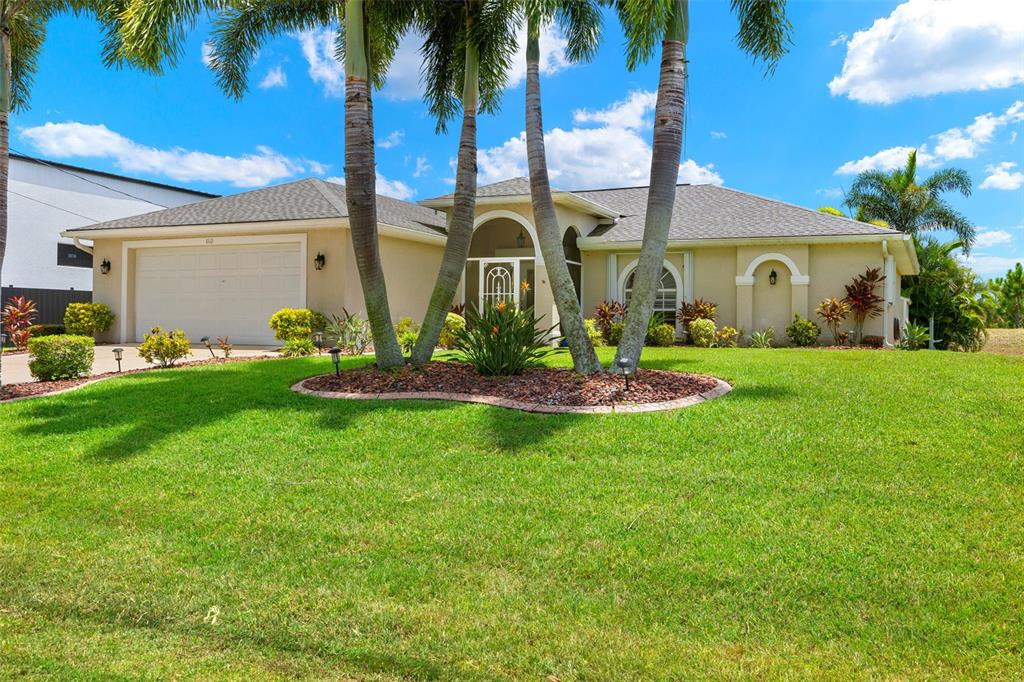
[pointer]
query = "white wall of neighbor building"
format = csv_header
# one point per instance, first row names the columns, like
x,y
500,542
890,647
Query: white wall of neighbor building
x,y
45,199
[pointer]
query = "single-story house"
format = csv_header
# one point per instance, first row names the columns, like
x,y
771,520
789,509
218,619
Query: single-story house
x,y
221,267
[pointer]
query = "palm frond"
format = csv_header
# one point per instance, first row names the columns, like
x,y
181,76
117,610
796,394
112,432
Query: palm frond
x,y
949,180
764,30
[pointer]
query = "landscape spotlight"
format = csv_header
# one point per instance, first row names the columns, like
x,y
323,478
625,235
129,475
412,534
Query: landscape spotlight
x,y
318,341
624,364
336,359
206,342
118,354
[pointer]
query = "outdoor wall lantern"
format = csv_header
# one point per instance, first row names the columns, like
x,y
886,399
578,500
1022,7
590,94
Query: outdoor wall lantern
x,y
773,278
624,364
206,342
105,266
318,341
336,359
521,239
118,354
320,261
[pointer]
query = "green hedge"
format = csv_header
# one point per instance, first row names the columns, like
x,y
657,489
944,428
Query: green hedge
x,y
63,356
37,330
87,319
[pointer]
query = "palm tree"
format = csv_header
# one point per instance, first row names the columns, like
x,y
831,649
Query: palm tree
x,y
467,43
152,33
904,204
930,291
764,34
22,32
581,22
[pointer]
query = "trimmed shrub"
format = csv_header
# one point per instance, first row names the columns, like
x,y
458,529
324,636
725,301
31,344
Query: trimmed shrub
x,y
61,356
615,330
802,332
406,325
662,335
87,319
46,330
298,347
595,334
702,332
727,337
164,348
453,324
294,323
503,340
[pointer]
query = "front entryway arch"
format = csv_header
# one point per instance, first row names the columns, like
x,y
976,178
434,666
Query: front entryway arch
x,y
769,293
502,263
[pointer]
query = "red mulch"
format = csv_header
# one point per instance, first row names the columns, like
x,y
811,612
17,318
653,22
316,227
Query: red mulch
x,y
545,385
11,391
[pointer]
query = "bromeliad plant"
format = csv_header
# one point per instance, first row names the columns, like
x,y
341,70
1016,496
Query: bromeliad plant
x,y
503,340
915,337
18,316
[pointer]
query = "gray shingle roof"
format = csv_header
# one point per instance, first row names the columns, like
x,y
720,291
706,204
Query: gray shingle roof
x,y
301,200
712,212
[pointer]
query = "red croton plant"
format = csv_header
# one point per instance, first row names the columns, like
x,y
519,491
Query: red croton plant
x,y
18,316
860,296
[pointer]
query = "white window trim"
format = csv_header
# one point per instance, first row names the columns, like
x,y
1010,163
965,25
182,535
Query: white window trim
x,y
631,266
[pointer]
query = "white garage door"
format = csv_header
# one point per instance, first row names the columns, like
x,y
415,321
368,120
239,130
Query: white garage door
x,y
217,290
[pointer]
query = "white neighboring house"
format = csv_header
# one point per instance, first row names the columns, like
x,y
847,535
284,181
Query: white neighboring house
x,y
46,197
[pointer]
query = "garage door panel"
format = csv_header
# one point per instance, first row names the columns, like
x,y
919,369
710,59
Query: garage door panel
x,y
217,290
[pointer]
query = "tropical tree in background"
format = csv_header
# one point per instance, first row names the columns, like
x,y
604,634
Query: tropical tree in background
x,y
831,210
1009,293
949,297
467,50
901,202
580,21
152,33
764,34
22,32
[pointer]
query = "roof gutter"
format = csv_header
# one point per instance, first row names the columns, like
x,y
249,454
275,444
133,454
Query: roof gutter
x,y
599,244
79,245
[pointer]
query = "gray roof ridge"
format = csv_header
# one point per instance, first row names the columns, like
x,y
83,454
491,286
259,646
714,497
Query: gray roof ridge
x,y
330,196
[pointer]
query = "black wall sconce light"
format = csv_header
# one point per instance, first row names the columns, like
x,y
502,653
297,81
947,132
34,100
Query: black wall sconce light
x,y
773,277
521,240
105,266
320,261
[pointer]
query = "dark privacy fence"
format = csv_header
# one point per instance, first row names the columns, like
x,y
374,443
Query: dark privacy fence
x,y
50,303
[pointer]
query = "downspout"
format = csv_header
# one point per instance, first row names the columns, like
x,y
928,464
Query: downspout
x,y
890,287
80,246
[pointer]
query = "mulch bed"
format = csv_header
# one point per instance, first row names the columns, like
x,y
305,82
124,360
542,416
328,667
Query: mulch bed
x,y
37,388
545,386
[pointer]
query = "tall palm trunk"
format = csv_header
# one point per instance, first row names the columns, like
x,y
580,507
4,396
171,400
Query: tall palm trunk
x,y
460,230
5,150
569,318
667,146
361,185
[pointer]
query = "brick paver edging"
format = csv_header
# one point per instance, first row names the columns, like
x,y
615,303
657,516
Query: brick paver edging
x,y
721,389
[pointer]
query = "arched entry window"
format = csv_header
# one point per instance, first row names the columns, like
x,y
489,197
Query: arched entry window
x,y
573,259
665,298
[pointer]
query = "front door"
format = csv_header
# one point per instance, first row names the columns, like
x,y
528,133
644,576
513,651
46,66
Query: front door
x,y
499,281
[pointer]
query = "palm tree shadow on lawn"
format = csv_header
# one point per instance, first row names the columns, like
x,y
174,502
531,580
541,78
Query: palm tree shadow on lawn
x,y
145,409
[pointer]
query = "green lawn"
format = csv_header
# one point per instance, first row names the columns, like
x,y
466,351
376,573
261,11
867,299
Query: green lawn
x,y
839,514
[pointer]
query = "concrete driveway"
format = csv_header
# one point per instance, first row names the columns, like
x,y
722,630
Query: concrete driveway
x,y
15,367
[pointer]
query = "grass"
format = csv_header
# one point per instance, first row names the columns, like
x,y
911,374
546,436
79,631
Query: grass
x,y
839,514
1005,341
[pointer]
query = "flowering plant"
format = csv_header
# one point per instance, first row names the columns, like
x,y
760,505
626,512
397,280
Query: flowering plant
x,y
503,340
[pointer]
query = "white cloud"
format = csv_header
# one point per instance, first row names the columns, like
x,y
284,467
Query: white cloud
x,y
830,192
318,49
887,159
840,39
393,139
987,238
718,135
317,168
275,78
422,167
72,139
614,154
389,188
992,265
954,143
1002,176
926,47
630,112
207,54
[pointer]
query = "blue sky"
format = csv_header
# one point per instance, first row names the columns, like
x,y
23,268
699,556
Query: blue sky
x,y
864,83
